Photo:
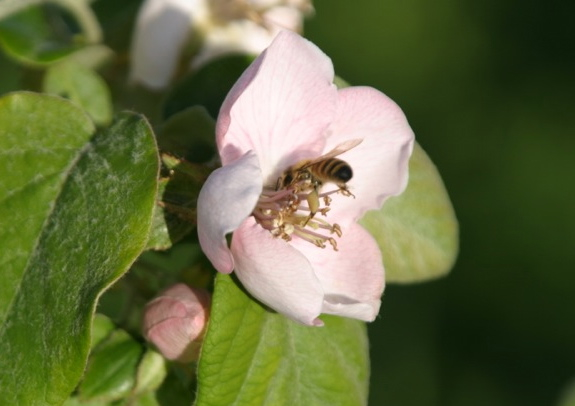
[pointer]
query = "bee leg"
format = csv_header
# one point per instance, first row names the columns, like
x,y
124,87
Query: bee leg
x,y
345,191
313,204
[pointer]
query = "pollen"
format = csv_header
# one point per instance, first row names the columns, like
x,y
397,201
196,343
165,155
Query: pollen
x,y
285,213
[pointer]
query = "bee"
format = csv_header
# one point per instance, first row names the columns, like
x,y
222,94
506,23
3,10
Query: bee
x,y
310,175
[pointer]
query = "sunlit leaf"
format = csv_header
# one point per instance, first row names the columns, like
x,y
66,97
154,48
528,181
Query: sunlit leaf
x,y
416,231
75,211
252,356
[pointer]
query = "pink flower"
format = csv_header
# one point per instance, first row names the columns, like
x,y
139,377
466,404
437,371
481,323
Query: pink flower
x,y
175,322
283,109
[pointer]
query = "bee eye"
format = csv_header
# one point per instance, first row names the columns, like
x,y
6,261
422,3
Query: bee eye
x,y
344,173
288,179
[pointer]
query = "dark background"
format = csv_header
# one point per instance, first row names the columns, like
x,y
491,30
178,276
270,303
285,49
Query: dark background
x,y
489,89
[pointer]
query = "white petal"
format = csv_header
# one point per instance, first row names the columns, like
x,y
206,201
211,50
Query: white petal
x,y
380,162
242,36
226,199
352,277
287,18
276,274
280,107
162,29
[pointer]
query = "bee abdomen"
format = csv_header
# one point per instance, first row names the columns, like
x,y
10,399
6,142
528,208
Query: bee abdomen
x,y
337,170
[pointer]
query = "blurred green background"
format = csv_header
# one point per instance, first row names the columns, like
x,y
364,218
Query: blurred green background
x,y
489,89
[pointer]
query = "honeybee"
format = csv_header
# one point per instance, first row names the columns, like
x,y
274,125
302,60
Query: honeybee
x,y
311,174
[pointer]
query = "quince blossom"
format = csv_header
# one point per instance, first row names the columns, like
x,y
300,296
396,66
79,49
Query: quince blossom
x,y
165,28
285,109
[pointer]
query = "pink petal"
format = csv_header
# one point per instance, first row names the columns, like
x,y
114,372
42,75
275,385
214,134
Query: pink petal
x,y
380,162
175,321
280,107
276,274
226,199
352,277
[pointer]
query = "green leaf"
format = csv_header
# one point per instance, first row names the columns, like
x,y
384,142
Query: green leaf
x,y
151,372
82,86
189,134
39,32
416,231
252,356
177,388
111,372
145,399
29,36
208,86
178,193
74,214
11,75
92,56
75,401
102,326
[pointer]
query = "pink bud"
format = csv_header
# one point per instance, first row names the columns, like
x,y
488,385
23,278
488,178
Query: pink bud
x,y
175,321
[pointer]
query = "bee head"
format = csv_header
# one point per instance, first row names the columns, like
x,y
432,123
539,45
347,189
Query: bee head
x,y
287,179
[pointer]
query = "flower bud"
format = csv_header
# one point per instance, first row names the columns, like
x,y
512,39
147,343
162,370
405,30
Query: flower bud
x,y
176,320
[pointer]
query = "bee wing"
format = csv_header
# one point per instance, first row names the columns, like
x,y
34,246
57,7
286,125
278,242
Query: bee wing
x,y
339,149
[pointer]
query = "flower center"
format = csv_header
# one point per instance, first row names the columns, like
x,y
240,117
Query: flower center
x,y
286,212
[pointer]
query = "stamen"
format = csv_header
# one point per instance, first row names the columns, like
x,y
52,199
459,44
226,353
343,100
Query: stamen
x,y
286,213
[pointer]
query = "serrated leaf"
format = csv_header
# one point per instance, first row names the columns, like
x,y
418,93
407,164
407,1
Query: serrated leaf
x,y
417,231
82,86
111,372
252,356
74,214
